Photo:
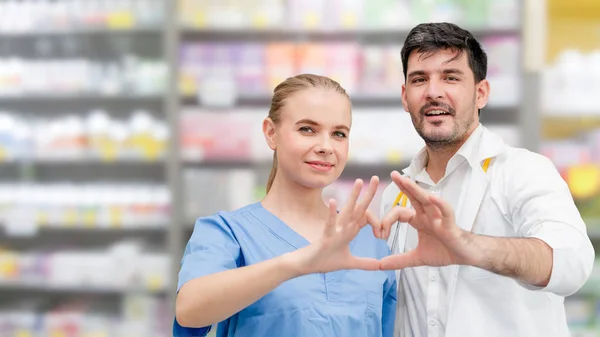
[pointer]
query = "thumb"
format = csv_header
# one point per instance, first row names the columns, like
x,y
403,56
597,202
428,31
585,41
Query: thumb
x,y
401,261
364,263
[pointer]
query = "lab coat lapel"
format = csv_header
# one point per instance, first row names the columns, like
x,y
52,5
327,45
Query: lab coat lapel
x,y
472,194
471,199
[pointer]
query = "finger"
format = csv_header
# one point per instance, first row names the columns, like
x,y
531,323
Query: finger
x,y
332,218
398,213
415,192
375,224
351,203
444,207
372,190
401,182
446,213
401,261
364,263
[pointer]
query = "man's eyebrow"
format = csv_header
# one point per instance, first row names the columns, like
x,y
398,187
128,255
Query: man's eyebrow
x,y
453,71
416,73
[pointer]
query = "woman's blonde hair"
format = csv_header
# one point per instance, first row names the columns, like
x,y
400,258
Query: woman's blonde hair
x,y
284,90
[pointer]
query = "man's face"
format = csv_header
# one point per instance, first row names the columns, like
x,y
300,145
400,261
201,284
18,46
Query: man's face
x,y
442,97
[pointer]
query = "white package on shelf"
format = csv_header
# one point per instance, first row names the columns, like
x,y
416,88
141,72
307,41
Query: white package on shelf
x,y
380,136
306,14
503,14
503,70
510,134
569,83
344,14
208,191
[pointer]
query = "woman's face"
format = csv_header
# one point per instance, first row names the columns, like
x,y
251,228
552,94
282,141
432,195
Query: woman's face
x,y
312,137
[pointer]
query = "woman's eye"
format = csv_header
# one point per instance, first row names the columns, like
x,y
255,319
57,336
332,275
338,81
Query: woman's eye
x,y
306,129
339,134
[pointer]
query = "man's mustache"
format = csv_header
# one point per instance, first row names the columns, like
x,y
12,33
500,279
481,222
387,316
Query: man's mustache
x,y
441,106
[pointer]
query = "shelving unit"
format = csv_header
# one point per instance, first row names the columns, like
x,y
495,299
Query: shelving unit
x,y
197,179
77,254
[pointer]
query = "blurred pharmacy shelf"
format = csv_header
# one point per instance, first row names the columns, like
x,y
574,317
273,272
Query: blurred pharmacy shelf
x,y
29,286
74,74
300,35
85,202
86,32
570,131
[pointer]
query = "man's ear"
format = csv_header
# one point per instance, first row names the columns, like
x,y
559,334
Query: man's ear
x,y
269,132
483,93
404,100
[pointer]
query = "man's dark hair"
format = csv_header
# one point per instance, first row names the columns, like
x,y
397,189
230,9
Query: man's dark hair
x,y
428,38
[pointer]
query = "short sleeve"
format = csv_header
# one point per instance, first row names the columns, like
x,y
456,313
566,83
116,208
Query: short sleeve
x,y
212,248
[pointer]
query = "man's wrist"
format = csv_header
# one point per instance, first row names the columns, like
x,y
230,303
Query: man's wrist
x,y
475,253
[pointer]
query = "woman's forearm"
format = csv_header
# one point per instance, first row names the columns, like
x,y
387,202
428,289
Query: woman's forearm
x,y
213,298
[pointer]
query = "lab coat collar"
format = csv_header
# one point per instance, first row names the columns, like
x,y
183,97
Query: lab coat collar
x,y
480,145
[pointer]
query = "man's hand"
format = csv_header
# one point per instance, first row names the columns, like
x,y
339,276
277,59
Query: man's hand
x,y
441,241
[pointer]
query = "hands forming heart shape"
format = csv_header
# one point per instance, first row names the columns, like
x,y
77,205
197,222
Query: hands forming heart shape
x,y
441,241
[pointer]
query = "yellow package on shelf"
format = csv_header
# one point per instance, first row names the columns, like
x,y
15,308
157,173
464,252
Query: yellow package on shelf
x,y
24,333
89,218
116,217
584,181
260,21
71,217
120,20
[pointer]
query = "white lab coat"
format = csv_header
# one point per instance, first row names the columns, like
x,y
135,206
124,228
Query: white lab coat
x,y
521,195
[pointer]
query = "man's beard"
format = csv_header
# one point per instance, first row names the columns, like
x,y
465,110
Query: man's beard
x,y
438,142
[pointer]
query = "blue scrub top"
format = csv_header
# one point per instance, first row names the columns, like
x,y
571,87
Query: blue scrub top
x,y
340,303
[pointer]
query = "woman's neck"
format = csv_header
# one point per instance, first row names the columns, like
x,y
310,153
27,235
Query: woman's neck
x,y
287,199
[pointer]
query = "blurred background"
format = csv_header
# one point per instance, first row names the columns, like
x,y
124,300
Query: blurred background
x,y
122,121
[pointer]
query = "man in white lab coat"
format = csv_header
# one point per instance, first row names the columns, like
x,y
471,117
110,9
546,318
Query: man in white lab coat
x,y
489,241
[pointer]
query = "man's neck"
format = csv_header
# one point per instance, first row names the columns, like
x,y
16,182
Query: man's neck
x,y
438,157
287,199
437,161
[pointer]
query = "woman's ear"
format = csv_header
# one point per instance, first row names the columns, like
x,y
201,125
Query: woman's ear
x,y
269,132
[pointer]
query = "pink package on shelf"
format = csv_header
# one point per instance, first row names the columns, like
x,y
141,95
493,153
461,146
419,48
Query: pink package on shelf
x,y
567,153
372,71
342,64
215,136
594,141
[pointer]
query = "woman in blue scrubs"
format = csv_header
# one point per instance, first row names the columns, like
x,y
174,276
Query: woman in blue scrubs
x,y
292,265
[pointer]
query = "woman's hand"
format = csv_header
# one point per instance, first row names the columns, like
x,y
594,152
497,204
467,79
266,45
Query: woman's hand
x,y
332,252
